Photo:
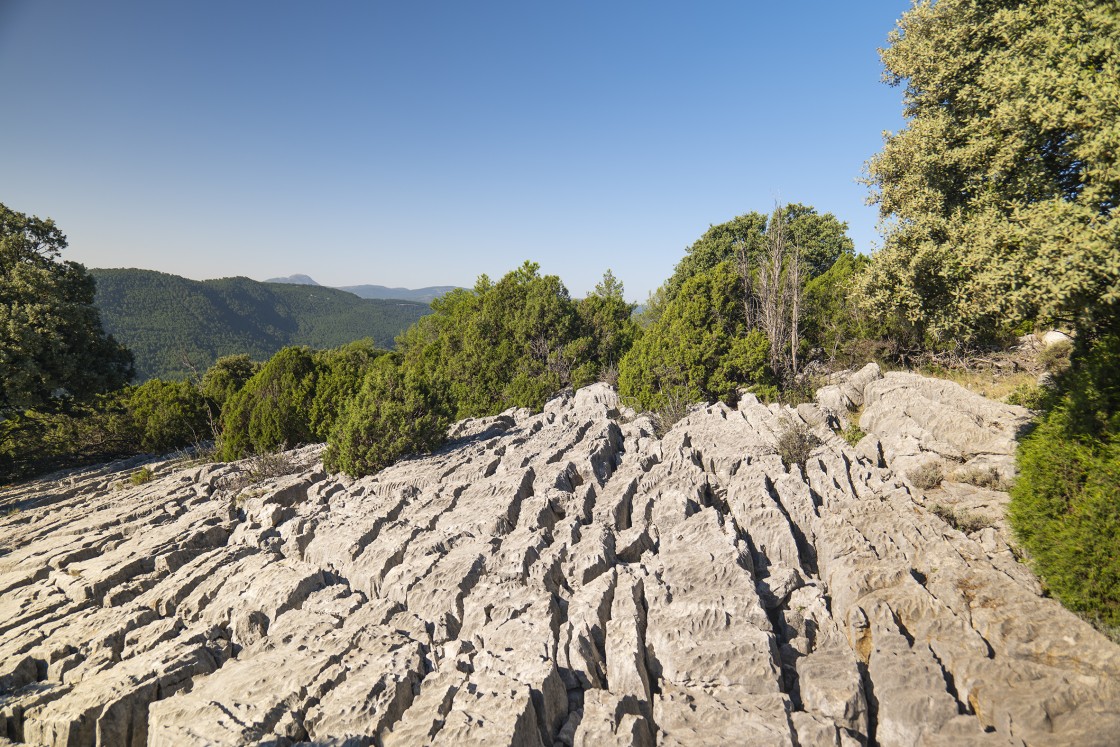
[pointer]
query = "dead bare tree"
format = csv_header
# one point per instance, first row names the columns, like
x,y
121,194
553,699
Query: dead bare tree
x,y
794,285
773,279
746,262
773,296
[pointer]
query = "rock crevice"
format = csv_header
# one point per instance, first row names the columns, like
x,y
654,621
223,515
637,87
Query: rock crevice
x,y
565,578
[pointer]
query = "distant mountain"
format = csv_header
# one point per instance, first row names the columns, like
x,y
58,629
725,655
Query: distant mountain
x,y
293,280
424,295
174,325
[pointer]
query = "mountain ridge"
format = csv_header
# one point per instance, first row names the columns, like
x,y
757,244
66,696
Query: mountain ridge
x,y
177,327
427,294
297,279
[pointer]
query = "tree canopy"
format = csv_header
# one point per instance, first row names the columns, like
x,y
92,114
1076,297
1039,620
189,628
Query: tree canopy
x,y
701,347
999,193
52,346
511,343
822,239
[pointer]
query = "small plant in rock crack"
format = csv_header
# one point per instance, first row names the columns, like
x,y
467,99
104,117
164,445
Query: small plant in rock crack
x,y
981,477
674,408
927,476
962,521
795,443
853,434
141,476
260,467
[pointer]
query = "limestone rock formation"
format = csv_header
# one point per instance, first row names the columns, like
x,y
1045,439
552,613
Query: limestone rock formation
x,y
562,578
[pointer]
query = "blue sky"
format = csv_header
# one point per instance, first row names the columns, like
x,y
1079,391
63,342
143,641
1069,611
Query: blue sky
x,y
424,143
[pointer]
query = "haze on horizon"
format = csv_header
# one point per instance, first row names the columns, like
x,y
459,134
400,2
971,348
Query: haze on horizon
x,y
423,144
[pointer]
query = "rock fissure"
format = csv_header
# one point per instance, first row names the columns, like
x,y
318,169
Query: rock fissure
x,y
563,578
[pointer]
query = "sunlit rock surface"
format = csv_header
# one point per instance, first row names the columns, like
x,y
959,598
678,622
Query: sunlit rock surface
x,y
561,578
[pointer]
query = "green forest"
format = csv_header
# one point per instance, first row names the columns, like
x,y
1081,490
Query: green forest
x,y
176,327
998,201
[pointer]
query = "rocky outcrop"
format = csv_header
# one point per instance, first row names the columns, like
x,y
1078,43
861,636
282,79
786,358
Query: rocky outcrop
x,y
559,578
918,420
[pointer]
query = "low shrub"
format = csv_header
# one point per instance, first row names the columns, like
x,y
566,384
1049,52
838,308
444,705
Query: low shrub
x,y
981,477
853,434
1028,395
1065,511
167,415
272,410
141,476
926,476
795,443
1054,358
963,521
394,414
1064,504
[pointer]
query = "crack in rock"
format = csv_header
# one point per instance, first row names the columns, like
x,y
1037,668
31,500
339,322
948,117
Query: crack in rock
x,y
562,578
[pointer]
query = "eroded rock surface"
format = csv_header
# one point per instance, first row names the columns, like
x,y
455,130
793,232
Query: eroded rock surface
x,y
560,578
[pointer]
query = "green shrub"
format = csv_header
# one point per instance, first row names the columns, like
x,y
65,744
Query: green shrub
x,y
1065,509
795,443
340,375
167,415
853,434
700,348
1065,504
141,476
833,322
1030,396
226,378
157,416
393,414
273,410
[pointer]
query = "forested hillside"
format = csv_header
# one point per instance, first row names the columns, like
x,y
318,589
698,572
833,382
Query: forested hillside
x,y
174,325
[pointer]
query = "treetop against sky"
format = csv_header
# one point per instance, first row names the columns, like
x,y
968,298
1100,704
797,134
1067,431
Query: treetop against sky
x,y
415,144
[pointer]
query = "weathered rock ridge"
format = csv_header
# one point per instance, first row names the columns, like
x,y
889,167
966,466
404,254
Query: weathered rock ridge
x,y
561,578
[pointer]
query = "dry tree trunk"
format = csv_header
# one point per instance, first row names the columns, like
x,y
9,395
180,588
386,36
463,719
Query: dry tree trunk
x,y
793,277
750,293
773,299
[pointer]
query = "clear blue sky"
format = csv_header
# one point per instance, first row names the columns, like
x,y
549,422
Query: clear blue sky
x,y
424,143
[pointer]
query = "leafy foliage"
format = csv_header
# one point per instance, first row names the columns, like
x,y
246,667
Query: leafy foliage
x,y
608,320
227,377
157,416
52,346
700,347
167,415
177,326
340,375
513,343
1065,511
1000,192
822,239
394,413
1064,504
272,410
834,323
